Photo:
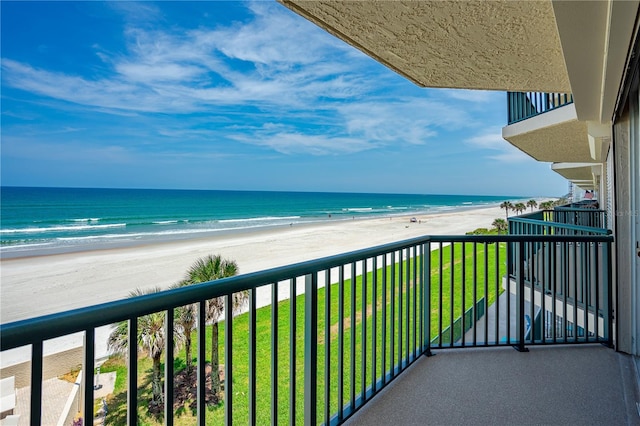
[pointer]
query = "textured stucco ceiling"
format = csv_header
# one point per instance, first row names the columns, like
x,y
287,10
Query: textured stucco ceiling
x,y
493,45
576,173
565,142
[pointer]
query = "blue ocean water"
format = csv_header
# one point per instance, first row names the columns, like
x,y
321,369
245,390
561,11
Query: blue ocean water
x,y
38,221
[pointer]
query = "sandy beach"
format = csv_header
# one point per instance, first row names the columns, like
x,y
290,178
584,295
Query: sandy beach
x,y
41,285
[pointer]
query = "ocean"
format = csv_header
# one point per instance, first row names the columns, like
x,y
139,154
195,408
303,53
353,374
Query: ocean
x,y
38,221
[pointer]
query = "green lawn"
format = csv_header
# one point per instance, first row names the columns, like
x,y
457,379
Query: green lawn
x,y
390,300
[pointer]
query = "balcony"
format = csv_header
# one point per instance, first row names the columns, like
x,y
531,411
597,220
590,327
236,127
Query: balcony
x,y
546,127
362,321
522,106
572,219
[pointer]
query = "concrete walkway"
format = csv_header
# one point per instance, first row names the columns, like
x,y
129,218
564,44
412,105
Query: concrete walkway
x,y
568,385
55,393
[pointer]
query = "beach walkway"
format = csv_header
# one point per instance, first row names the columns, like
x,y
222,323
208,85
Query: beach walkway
x,y
59,401
55,394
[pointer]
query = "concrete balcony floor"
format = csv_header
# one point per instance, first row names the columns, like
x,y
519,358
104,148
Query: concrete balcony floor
x,y
563,385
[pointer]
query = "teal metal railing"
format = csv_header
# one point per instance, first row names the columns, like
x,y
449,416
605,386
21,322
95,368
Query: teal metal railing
x,y
563,220
523,105
581,216
574,264
335,331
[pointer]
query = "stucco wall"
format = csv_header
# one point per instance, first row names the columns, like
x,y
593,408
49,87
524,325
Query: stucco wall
x,y
491,45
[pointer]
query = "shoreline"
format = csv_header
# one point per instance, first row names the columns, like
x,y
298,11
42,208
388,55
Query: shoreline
x,y
9,252
41,285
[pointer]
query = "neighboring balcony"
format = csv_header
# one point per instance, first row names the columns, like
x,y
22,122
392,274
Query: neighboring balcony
x,y
359,322
545,126
572,219
522,106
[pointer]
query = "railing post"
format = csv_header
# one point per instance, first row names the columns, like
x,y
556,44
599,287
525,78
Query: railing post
x,y
168,368
426,299
228,360
311,348
609,292
510,272
274,353
201,373
36,383
132,384
253,374
520,300
547,105
87,369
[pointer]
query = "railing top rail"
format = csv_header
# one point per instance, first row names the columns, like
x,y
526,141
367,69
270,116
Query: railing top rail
x,y
24,332
605,238
579,209
558,225
537,213
28,331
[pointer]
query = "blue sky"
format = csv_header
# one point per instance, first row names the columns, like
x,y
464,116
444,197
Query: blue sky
x,y
233,95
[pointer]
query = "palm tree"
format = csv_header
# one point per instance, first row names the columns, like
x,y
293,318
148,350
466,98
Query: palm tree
x,y
209,268
532,203
185,323
501,225
546,205
561,201
506,205
150,336
519,208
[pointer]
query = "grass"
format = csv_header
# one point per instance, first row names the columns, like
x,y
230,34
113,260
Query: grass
x,y
393,298
72,375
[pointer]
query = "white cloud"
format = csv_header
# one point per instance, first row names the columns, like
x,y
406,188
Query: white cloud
x,y
488,141
35,149
358,126
406,120
255,63
493,141
136,11
513,155
299,143
247,74
101,93
475,96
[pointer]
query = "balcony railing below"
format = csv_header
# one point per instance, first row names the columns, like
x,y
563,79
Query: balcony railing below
x,y
581,214
358,321
563,220
523,105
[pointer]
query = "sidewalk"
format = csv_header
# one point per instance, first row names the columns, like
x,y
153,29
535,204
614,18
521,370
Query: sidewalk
x,y
55,393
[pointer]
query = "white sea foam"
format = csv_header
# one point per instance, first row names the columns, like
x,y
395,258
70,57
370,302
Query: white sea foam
x,y
23,246
358,209
259,219
60,228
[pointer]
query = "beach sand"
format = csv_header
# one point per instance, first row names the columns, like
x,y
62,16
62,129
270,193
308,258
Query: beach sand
x,y
41,285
